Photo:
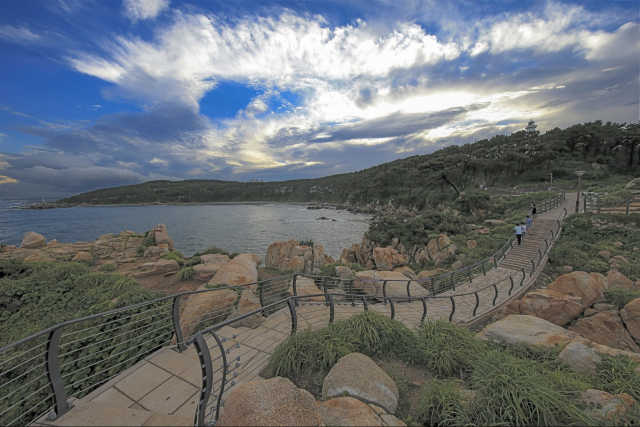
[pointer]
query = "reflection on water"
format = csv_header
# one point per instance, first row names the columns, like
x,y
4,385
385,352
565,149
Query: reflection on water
x,y
236,228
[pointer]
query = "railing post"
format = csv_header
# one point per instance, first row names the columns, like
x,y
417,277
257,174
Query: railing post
x,y
433,291
483,270
477,303
495,297
524,275
469,271
176,323
409,290
453,308
295,288
53,375
364,301
453,285
393,308
324,287
207,377
495,262
294,315
511,288
384,288
332,308
353,302
424,309
533,267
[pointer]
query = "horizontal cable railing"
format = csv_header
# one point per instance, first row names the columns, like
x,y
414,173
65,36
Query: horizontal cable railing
x,y
40,374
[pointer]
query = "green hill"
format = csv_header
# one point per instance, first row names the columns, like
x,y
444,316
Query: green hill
x,y
608,152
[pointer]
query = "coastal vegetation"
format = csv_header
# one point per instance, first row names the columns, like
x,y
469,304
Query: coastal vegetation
x,y
608,152
468,381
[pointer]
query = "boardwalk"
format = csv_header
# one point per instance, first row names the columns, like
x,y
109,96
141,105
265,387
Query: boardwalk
x,y
164,389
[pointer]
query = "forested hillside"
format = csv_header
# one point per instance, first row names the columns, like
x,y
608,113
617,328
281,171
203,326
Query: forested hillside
x,y
606,151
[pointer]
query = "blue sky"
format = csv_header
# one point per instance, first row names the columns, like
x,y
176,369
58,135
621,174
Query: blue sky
x,y
99,93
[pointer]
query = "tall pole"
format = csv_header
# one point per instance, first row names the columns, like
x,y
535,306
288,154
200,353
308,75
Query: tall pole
x,y
579,173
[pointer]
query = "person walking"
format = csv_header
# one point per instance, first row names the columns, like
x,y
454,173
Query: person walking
x,y
528,224
518,230
524,229
534,210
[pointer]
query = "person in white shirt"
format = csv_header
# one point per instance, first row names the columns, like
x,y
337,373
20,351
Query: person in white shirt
x,y
518,231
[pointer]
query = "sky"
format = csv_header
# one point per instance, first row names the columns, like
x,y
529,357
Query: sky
x,y
103,93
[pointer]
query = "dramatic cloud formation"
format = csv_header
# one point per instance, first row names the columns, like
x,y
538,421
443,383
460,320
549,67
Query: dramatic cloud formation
x,y
277,93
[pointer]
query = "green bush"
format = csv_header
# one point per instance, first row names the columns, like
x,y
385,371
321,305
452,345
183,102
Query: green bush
x,y
194,260
620,296
447,349
108,267
212,250
186,274
140,249
441,404
174,255
149,239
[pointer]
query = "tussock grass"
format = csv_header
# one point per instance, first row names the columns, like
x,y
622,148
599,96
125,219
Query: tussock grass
x,y
210,251
617,375
382,336
194,260
512,391
108,267
441,404
620,296
186,274
446,349
174,255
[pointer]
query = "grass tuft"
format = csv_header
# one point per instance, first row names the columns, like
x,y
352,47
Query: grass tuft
x,y
108,267
620,296
441,404
186,274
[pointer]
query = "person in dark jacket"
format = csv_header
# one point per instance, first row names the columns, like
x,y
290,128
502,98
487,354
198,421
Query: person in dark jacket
x,y
534,211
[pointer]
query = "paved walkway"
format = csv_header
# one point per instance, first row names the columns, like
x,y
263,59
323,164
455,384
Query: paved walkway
x,y
164,388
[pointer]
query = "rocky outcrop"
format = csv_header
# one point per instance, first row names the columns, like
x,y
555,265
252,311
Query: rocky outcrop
x,y
273,402
83,257
365,282
630,315
347,411
161,235
528,330
343,272
579,358
206,307
239,271
580,284
301,259
248,302
33,240
547,304
162,266
7,249
605,328
619,280
601,404
214,261
397,285
306,286
204,272
363,379
387,258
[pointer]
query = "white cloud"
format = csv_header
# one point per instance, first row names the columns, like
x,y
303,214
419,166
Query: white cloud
x,y
144,9
18,34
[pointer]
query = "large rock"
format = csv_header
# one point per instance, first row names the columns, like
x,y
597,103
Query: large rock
x,y
248,303
556,307
306,286
365,281
296,264
579,358
239,271
347,411
604,255
363,379
528,330
7,249
83,257
33,240
387,258
493,222
160,232
397,285
407,272
631,317
161,266
472,244
343,272
206,307
579,284
619,280
274,402
254,258
605,328
277,251
215,261
204,272
601,404
426,274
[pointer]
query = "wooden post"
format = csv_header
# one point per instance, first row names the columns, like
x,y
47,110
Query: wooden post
x,y
598,206
627,207
585,204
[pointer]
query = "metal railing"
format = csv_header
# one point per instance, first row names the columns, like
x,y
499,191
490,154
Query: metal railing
x,y
598,205
503,191
40,374
230,354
